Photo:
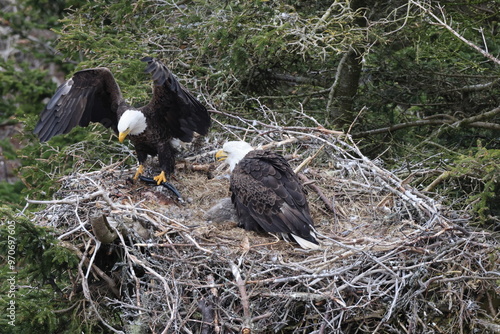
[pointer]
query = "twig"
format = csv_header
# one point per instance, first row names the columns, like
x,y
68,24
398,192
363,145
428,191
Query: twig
x,y
70,200
247,321
310,184
308,160
443,24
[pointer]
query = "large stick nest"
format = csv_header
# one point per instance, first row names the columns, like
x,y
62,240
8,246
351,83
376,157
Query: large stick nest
x,y
393,260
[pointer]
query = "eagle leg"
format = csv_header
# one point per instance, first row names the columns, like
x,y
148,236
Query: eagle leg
x,y
139,172
160,178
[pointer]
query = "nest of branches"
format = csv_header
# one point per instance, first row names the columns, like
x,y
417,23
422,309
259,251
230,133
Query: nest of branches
x,y
393,260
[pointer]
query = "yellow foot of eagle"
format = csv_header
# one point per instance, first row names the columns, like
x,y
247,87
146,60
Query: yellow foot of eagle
x,y
160,178
139,172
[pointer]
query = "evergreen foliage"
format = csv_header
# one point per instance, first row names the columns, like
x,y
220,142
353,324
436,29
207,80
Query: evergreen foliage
x,y
477,174
23,86
34,272
24,89
11,194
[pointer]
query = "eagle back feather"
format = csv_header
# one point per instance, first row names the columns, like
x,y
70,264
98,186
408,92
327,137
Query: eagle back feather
x,y
268,195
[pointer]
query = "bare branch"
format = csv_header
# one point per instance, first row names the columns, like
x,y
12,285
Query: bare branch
x,y
472,121
442,23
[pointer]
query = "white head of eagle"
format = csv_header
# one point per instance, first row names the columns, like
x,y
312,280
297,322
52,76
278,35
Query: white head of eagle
x,y
233,152
132,122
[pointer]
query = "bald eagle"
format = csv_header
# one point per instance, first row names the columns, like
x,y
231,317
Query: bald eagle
x,y
267,194
93,95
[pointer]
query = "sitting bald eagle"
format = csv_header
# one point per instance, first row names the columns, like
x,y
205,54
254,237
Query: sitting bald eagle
x,y
267,194
93,95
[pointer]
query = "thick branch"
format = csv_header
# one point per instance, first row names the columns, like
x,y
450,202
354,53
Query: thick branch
x,y
402,126
111,283
487,115
485,125
473,121
318,81
245,304
345,87
479,87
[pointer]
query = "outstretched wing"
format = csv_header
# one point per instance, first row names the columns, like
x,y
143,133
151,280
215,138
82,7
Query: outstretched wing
x,y
268,195
182,113
89,96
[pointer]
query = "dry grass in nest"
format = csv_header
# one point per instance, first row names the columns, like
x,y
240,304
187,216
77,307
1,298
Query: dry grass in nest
x,y
391,260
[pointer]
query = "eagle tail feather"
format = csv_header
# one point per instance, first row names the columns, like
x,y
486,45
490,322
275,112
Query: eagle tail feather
x,y
306,244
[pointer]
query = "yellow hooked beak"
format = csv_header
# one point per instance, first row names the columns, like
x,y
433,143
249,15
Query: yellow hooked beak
x,y
122,135
220,155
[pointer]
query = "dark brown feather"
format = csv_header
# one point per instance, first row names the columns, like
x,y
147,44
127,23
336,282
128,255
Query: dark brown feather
x,y
268,196
89,96
172,104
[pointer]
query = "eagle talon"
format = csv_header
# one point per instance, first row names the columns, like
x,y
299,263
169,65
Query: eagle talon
x,y
160,178
139,172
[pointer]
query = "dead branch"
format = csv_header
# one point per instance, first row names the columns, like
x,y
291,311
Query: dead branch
x,y
473,121
240,283
195,168
310,184
442,23
111,283
208,316
402,126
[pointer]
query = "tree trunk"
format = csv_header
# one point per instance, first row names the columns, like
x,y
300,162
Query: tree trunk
x,y
343,90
